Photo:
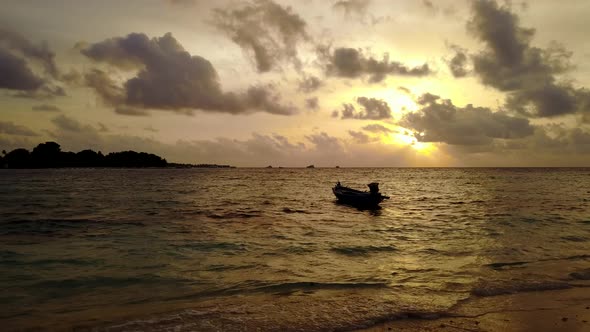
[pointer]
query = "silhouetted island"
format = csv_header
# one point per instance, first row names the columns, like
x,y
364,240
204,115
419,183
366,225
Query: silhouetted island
x,y
49,155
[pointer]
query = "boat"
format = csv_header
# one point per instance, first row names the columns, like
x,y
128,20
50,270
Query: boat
x,y
358,198
310,166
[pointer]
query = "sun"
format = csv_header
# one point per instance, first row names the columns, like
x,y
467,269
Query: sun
x,y
403,139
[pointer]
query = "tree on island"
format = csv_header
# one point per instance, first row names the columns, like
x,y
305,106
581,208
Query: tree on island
x,y
49,155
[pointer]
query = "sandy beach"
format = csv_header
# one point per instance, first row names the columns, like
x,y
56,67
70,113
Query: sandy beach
x,y
557,310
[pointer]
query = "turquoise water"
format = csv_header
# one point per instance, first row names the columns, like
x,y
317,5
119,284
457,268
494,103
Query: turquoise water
x,y
247,249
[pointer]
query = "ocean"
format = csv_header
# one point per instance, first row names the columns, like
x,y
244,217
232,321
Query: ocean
x,y
270,249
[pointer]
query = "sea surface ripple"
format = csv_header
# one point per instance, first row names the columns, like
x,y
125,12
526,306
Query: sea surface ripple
x,y
263,249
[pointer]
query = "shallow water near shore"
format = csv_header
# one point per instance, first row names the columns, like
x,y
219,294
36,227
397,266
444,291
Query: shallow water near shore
x,y
247,249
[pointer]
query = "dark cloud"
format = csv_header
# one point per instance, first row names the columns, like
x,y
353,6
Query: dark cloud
x,y
15,74
264,29
169,78
41,53
46,108
44,92
312,103
360,137
550,100
371,109
440,121
105,86
427,98
558,139
182,2
310,84
428,4
102,127
434,8
404,90
124,110
325,142
14,129
378,129
72,77
510,63
66,123
17,56
549,145
352,63
349,7
458,63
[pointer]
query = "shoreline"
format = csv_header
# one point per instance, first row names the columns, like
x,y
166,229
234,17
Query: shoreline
x,y
547,310
551,310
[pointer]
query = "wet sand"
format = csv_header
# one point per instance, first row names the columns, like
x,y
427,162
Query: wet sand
x,y
557,310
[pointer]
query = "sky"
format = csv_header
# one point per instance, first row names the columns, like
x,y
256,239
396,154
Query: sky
x,y
353,83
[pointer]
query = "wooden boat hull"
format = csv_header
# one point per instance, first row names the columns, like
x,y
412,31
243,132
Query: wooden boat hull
x,y
357,198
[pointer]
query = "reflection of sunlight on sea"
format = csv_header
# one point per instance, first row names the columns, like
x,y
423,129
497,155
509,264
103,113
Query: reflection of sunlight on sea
x,y
243,247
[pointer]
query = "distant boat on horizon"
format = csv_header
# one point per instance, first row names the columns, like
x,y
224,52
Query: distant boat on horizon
x,y
310,166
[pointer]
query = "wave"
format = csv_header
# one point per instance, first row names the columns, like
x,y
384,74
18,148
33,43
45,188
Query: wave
x,y
298,250
222,267
238,317
581,275
52,262
486,289
288,210
234,215
212,246
292,287
90,283
362,250
501,265
573,238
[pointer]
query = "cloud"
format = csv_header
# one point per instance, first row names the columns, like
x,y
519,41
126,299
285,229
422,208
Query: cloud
x,y
549,145
15,74
182,2
458,63
41,53
440,121
549,100
404,90
46,108
428,4
265,30
509,63
310,84
66,123
105,87
169,78
14,129
124,110
378,129
349,7
17,56
325,142
102,127
312,103
360,137
46,91
351,63
371,109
